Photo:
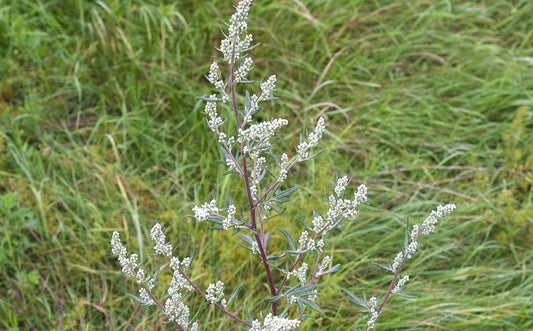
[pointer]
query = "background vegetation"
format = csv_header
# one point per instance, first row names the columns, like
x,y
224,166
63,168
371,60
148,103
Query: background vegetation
x,y
427,102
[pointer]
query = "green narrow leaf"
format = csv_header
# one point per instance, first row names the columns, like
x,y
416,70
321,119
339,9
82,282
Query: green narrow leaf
x,y
290,239
310,304
386,266
407,235
332,269
234,292
138,299
354,298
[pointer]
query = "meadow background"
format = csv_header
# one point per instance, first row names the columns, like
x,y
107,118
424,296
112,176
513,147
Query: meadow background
x,y
427,102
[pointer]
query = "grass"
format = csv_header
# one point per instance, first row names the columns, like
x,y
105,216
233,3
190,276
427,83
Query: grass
x,y
101,130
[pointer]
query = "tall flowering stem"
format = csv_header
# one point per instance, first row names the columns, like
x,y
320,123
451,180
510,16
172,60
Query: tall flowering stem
x,y
395,286
247,151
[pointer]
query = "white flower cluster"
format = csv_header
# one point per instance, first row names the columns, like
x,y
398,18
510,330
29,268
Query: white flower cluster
x,y
428,226
323,265
244,69
175,308
128,264
275,323
226,224
283,168
214,121
268,87
130,267
306,243
203,212
300,273
372,305
313,139
255,248
397,261
401,283
160,247
261,132
214,76
215,293
232,45
339,207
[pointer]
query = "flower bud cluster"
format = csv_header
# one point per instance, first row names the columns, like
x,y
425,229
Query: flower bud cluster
x,y
268,87
313,139
324,265
244,69
215,293
275,323
130,268
203,212
300,273
175,309
214,76
339,207
261,132
372,305
283,171
214,121
427,227
160,247
232,45
226,224
401,283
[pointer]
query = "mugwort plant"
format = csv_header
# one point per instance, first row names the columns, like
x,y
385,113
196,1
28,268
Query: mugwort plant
x,y
292,276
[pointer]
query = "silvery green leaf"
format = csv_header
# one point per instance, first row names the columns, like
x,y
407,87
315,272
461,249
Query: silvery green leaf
x,y
246,238
275,207
332,269
289,238
406,243
310,157
408,296
274,299
309,303
353,298
300,291
387,266
138,299
234,292
282,196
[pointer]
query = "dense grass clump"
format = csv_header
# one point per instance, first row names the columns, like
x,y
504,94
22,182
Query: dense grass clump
x,y
101,129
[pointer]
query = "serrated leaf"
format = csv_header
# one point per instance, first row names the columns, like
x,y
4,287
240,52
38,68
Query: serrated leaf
x,y
287,235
